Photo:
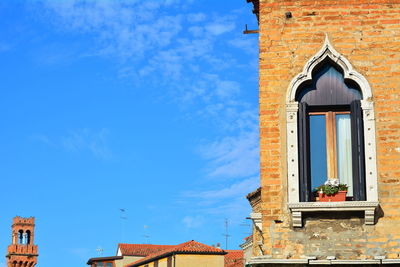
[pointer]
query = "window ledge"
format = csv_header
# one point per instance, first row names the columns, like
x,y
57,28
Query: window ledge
x,y
368,207
267,260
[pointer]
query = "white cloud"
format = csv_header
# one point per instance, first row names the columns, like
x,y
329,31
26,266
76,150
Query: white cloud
x,y
227,89
42,138
233,157
5,47
196,31
196,17
188,57
175,52
218,28
82,253
127,29
193,221
88,140
238,189
246,44
236,209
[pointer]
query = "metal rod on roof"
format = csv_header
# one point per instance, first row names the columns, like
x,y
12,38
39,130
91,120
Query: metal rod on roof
x,y
247,31
226,233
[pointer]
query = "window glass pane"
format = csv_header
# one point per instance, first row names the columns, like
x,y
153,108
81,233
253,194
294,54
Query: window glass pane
x,y
343,144
109,264
318,150
99,264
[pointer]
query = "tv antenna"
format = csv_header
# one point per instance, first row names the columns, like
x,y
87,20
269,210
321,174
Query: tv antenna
x,y
99,250
248,226
226,233
146,235
123,218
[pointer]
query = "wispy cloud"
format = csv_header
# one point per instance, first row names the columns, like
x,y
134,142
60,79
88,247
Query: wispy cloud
x,y
127,29
191,56
42,138
233,156
175,51
220,27
246,44
88,140
238,189
82,253
79,141
193,221
4,47
196,17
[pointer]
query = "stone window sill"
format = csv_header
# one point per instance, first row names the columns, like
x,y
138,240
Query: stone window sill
x,y
297,209
267,260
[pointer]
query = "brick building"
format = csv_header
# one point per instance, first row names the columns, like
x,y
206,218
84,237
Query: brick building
x,y
22,252
329,105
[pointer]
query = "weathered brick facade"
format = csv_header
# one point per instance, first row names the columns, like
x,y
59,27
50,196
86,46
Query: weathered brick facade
x,y
367,34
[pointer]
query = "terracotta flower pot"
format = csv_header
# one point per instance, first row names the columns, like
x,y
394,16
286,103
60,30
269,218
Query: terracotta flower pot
x,y
339,196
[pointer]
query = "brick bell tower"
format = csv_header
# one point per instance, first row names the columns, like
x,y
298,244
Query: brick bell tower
x,y
22,252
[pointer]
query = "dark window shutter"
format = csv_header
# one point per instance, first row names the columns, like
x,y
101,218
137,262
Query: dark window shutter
x,y
358,158
304,154
169,262
156,263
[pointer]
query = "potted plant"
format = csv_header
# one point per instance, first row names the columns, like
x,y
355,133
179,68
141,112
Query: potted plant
x,y
332,191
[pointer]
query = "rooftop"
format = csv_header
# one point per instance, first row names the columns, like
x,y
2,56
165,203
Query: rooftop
x,y
190,247
140,249
234,258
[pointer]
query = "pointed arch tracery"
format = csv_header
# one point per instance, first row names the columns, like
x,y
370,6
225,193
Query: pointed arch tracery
x,y
328,53
353,86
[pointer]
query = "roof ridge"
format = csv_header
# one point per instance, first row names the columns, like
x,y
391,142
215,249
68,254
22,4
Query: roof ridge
x,y
140,249
134,244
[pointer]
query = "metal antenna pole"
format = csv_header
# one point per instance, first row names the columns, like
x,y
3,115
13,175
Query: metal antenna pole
x,y
247,226
99,250
226,233
123,219
146,235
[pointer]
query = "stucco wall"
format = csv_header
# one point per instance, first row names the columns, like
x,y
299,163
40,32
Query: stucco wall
x,y
195,260
199,260
126,260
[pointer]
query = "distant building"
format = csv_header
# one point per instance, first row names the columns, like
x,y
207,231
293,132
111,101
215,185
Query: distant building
x,y
190,253
22,252
127,253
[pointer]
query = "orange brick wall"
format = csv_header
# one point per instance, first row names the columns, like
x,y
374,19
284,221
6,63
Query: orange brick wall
x,y
367,33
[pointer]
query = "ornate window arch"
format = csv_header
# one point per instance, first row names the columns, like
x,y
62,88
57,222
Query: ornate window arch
x,y
328,54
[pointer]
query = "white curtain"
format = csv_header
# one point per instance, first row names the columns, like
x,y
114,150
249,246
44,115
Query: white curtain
x,y
343,142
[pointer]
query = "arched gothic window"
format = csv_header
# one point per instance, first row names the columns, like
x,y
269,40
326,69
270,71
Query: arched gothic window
x,y
330,129
330,135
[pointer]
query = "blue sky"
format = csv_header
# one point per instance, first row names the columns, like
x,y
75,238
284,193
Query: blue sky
x,y
149,106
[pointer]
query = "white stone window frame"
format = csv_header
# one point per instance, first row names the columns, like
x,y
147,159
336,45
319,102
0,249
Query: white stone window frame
x,y
367,105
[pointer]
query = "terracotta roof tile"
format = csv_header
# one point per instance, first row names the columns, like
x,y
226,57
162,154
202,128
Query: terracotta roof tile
x,y
141,249
190,247
234,258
